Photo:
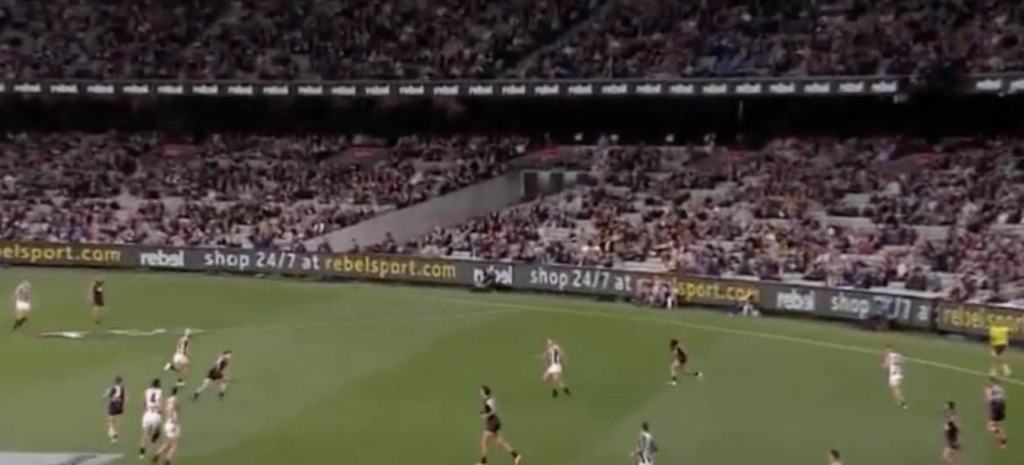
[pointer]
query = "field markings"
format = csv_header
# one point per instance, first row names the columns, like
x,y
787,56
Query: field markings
x,y
358,321
724,330
75,335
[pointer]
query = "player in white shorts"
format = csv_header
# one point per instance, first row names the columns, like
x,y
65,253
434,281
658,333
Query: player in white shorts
x,y
22,304
172,430
179,362
555,359
892,363
645,446
151,418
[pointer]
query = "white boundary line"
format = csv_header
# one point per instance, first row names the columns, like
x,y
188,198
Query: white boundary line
x,y
724,330
358,321
321,325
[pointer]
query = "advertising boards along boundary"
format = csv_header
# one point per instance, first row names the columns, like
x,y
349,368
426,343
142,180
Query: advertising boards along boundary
x,y
778,297
753,86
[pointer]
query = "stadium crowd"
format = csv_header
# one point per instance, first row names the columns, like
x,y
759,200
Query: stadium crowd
x,y
863,212
240,191
275,39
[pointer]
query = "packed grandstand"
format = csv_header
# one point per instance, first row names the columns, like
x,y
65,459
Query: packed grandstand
x,y
920,208
310,39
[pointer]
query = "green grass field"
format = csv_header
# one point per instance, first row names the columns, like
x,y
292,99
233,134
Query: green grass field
x,y
371,374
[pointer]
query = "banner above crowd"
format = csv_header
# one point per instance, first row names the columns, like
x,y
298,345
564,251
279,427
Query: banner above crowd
x,y
814,86
858,305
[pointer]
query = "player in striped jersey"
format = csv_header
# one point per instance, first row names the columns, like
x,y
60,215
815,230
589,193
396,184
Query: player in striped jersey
x,y
217,374
116,397
995,396
892,363
22,304
172,430
555,358
179,362
492,428
645,446
152,404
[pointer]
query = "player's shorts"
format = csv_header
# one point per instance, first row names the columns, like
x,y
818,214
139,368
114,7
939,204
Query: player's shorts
x,y
997,412
180,359
22,307
493,424
214,375
895,380
172,430
97,301
151,421
554,369
999,349
953,445
681,359
115,409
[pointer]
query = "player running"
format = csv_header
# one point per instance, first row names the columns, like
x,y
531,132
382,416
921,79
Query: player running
x,y
553,375
179,362
679,360
152,403
645,446
892,363
995,396
217,374
492,428
999,339
22,304
951,431
172,430
96,298
116,397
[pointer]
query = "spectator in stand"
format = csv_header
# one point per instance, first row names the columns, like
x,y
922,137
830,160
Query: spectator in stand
x,y
224,191
662,38
476,39
765,214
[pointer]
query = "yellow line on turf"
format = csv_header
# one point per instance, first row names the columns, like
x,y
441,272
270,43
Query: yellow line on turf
x,y
724,330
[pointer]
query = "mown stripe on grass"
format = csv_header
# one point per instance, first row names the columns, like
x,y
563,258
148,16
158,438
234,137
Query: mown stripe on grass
x,y
723,330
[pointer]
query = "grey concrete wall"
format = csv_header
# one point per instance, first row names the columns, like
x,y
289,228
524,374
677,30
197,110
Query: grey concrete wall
x,y
417,220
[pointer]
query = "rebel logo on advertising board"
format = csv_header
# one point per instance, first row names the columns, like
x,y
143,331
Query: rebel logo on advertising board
x,y
795,301
502,275
161,259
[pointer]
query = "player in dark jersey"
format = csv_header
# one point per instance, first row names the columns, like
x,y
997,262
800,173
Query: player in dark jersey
x,y
951,431
995,396
217,374
96,297
116,397
492,428
679,360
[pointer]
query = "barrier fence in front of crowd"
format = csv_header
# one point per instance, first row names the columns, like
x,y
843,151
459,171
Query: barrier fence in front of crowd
x,y
902,311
